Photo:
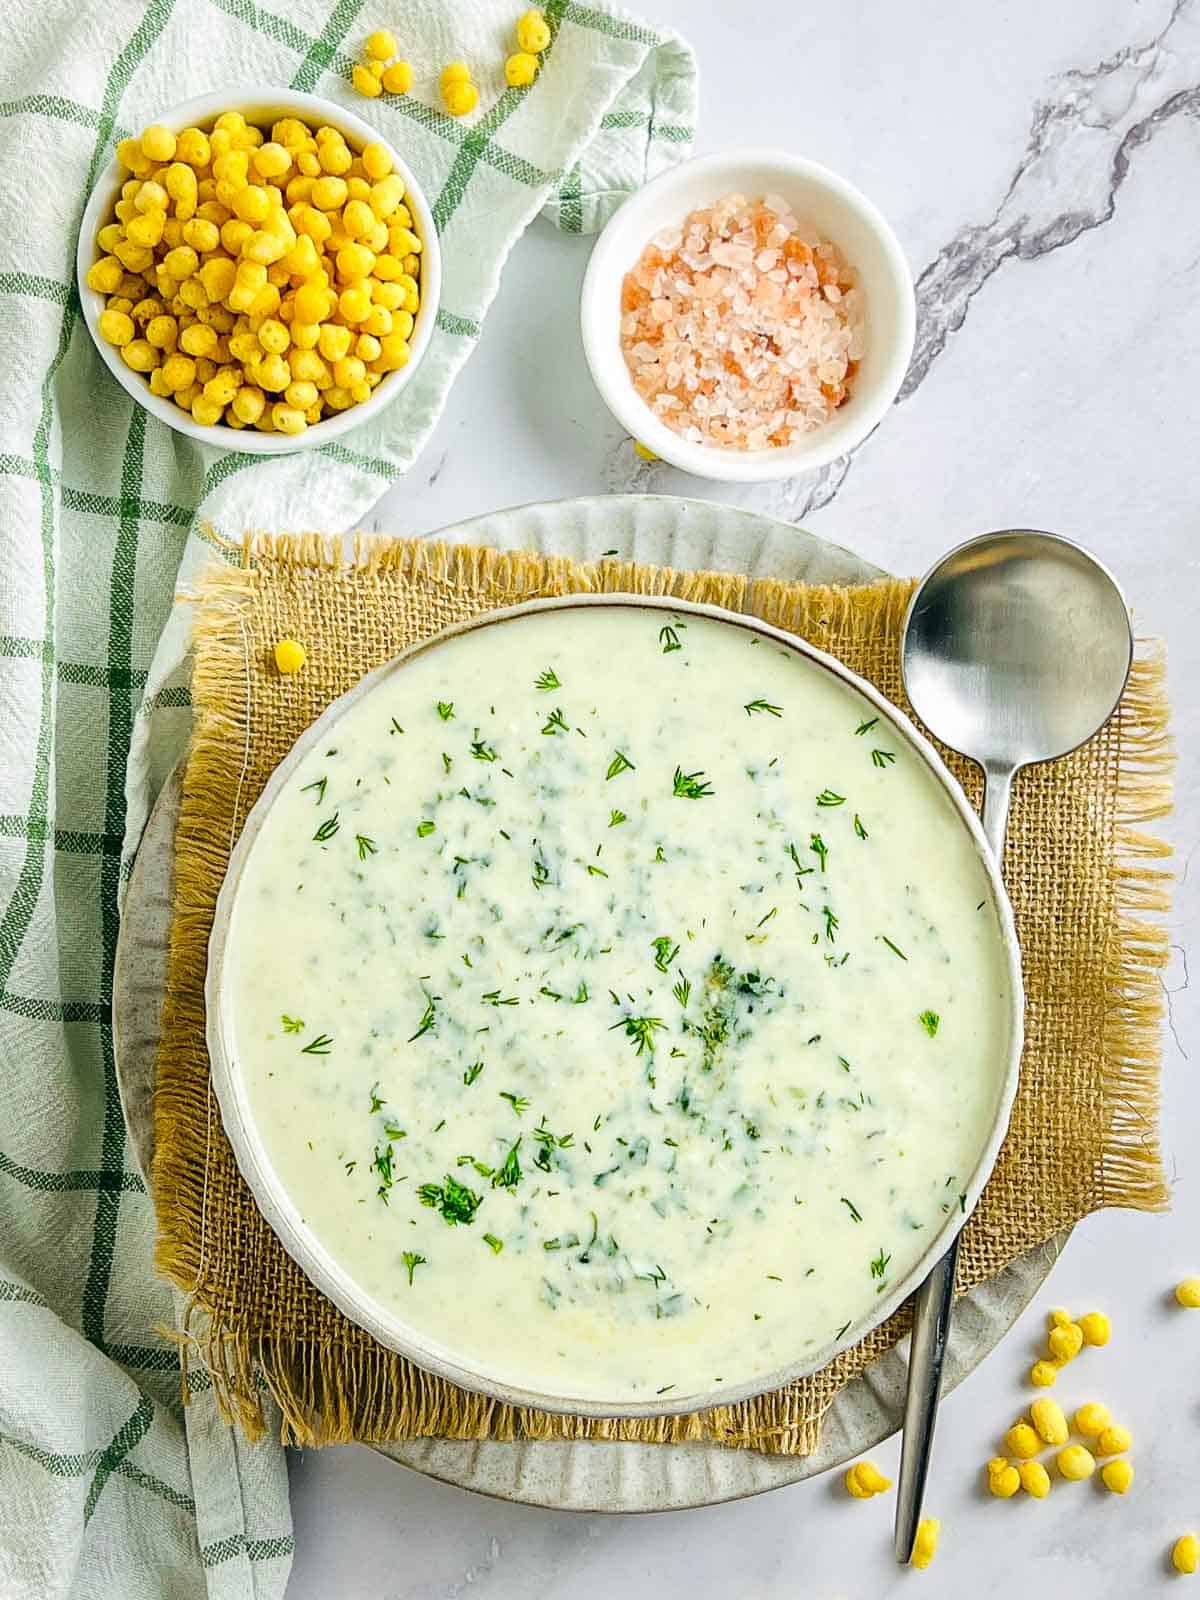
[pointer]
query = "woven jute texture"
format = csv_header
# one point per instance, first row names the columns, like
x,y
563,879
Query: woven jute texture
x,y
1084,876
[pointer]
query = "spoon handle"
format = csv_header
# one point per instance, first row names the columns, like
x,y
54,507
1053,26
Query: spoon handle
x,y
934,1300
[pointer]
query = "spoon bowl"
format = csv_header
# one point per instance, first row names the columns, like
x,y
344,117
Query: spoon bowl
x,y
1017,648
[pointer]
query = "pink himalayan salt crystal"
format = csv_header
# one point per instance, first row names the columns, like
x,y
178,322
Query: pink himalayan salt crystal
x,y
742,327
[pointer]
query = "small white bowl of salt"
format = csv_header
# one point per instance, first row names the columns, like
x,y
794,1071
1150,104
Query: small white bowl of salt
x,y
748,316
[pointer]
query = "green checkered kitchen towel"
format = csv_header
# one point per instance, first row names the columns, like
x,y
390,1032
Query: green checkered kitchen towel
x,y
108,1487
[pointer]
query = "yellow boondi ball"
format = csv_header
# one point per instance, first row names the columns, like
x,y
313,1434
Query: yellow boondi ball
x,y
1096,1328
290,654
520,69
1188,1294
365,81
1186,1553
1022,1441
1035,1480
929,1531
1003,1478
864,1479
380,45
533,34
1075,1463
398,77
1117,1476
1043,1374
1050,1421
1065,1342
1114,1441
460,98
1092,1419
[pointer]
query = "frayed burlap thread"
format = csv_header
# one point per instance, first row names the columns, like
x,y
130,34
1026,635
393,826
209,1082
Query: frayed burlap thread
x,y
1087,881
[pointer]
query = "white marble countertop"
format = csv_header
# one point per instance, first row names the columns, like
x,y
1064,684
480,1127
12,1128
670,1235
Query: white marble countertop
x,y
1039,163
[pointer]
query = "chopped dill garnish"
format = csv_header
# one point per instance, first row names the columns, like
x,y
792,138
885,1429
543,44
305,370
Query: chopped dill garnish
x,y
377,1100
555,722
664,952
481,750
880,1264
472,1073
752,706
801,871
883,758
494,998
447,762
616,818
929,1021
855,1213
894,948
494,1245
292,1024
319,786
445,709
366,847
318,1046
865,727
774,912
517,1101
619,763
690,785
412,1261
580,996
842,1330
596,872
428,1017
327,829
454,1200
508,1175
829,797
547,680
640,1030
819,848
424,829
831,924
858,827
669,639
682,992
395,727
382,1164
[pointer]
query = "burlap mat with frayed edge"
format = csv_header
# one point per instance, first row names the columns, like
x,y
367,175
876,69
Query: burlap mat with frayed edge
x,y
1081,872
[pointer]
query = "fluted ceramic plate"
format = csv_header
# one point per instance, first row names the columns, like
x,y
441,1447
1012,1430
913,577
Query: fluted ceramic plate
x,y
582,1475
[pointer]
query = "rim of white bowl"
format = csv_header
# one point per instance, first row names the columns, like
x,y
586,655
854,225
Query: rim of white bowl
x,y
321,1266
627,233
258,105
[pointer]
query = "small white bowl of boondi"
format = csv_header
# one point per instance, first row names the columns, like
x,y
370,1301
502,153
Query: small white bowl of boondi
x,y
262,108
848,349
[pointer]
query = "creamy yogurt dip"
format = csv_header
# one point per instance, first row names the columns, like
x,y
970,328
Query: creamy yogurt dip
x,y
620,1001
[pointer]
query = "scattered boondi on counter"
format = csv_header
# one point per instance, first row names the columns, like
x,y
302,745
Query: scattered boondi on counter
x,y
741,327
925,1545
1188,1293
261,278
864,1481
1186,1553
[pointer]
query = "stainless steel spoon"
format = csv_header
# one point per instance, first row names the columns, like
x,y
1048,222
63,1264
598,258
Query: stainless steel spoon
x,y
1016,648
